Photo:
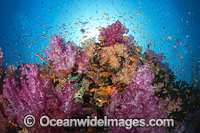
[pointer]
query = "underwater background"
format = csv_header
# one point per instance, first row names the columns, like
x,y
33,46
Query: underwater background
x,y
167,26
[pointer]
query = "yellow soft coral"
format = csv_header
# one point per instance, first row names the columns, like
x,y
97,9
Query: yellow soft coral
x,y
173,105
124,76
121,50
114,62
106,54
113,54
90,50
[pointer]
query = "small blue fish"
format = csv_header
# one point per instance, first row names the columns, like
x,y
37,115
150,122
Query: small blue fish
x,y
174,46
82,31
83,23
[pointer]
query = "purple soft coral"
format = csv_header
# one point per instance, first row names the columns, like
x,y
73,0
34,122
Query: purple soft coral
x,y
61,55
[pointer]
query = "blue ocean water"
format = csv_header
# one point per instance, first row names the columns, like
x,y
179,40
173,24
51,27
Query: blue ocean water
x,y
27,25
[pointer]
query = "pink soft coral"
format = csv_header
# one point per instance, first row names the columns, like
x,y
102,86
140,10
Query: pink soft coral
x,y
27,97
3,120
61,55
113,33
30,95
137,102
68,106
1,66
144,78
82,62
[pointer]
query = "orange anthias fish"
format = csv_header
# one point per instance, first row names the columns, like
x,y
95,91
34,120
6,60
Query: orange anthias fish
x,y
13,124
126,38
138,26
98,80
102,92
180,57
130,66
40,50
102,102
106,14
29,46
101,38
81,64
92,73
105,74
42,59
41,75
195,80
110,89
85,36
89,39
37,65
62,83
135,72
95,65
107,18
133,59
139,13
44,26
44,36
75,23
48,46
170,37
101,31
138,50
111,61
